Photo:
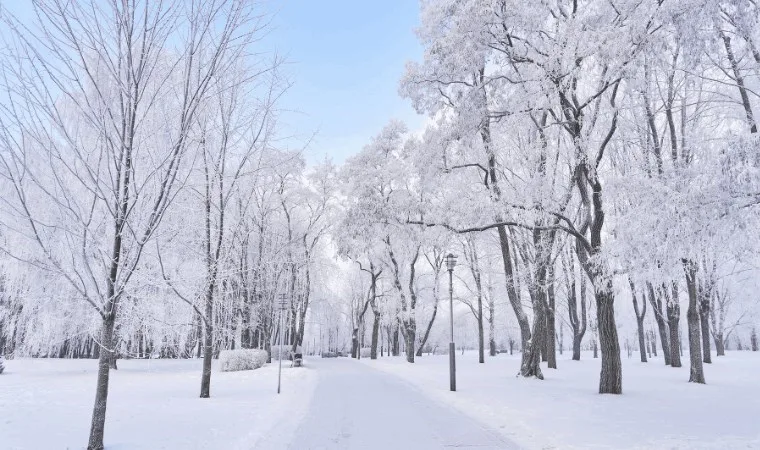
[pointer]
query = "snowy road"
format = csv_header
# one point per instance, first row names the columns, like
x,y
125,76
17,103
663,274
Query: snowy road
x,y
357,407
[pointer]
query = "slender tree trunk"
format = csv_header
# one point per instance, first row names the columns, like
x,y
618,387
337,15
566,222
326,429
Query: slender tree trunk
x,y
662,325
375,335
481,334
551,330
97,427
640,314
739,82
208,352
427,330
355,343
704,319
491,327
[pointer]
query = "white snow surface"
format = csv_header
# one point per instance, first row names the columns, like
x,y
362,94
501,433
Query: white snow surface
x,y
659,409
345,404
152,404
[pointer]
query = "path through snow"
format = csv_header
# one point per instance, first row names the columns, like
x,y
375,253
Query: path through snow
x,y
357,407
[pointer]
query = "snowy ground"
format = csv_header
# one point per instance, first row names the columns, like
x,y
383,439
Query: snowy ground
x,y
345,404
658,409
153,404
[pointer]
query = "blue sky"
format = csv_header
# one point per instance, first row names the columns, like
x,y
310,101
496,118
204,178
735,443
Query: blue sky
x,y
346,57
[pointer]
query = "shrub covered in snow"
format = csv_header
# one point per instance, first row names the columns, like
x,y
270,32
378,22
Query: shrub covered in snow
x,y
2,364
364,352
244,359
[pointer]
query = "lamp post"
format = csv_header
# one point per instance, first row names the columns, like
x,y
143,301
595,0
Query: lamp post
x,y
283,304
451,261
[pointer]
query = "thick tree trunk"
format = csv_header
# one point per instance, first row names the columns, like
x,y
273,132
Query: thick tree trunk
x,y
674,313
611,377
696,372
97,426
410,336
539,334
577,340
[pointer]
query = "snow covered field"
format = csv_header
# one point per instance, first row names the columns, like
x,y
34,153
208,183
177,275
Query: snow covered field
x,y
153,404
658,408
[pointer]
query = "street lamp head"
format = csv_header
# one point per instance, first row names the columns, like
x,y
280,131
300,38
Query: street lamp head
x,y
451,261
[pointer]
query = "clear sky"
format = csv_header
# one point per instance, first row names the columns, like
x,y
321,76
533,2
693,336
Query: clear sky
x,y
346,58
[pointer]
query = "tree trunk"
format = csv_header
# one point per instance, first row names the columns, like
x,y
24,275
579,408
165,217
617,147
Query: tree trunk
x,y
375,335
394,341
696,372
491,327
551,331
208,347
355,343
704,317
674,313
97,426
527,369
662,325
481,336
642,342
640,314
611,377
720,344
410,335
427,330
539,334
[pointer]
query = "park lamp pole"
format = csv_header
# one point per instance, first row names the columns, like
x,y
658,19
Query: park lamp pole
x,y
283,304
451,261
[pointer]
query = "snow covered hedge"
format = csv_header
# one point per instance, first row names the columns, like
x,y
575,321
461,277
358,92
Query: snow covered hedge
x,y
245,359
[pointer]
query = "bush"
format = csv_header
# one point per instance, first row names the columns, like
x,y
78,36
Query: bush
x,y
244,359
329,355
364,353
2,364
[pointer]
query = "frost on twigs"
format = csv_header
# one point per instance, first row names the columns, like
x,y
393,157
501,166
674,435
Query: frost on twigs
x,y
235,360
